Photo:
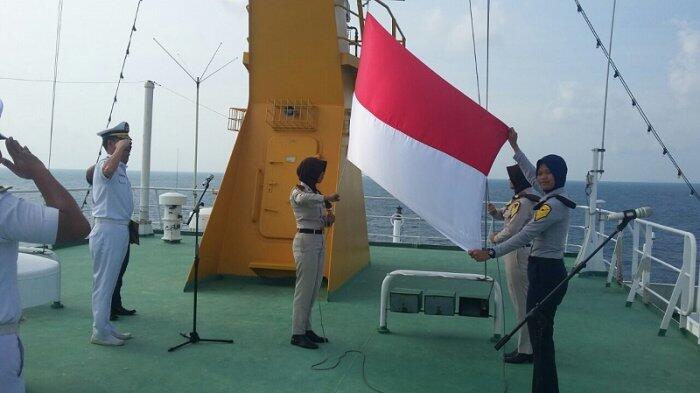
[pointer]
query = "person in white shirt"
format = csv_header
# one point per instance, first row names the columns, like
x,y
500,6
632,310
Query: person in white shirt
x,y
112,207
60,221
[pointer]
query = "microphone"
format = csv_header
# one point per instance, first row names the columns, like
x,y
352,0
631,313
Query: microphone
x,y
630,214
207,180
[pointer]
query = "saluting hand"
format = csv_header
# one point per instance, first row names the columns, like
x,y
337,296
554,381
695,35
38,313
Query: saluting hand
x,y
123,144
26,165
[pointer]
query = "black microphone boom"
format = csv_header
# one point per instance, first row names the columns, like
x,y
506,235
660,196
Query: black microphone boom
x,y
206,181
626,217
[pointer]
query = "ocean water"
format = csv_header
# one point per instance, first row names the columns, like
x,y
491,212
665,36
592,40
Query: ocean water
x,y
671,204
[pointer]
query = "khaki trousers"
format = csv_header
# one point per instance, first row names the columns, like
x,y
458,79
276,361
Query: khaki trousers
x,y
516,272
309,250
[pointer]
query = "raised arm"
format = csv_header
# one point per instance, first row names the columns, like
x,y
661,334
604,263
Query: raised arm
x,y
303,197
525,165
72,225
495,212
112,163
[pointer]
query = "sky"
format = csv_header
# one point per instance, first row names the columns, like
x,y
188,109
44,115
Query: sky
x,y
546,77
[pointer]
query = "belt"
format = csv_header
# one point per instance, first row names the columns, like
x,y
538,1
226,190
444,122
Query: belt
x,y
111,221
10,328
544,260
311,231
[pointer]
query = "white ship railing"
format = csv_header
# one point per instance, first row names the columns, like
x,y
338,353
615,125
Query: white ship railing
x,y
155,208
680,297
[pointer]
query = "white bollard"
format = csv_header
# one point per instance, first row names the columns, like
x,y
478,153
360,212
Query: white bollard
x,y
397,222
172,215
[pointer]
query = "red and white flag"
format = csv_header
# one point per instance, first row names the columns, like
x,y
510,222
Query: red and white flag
x,y
420,138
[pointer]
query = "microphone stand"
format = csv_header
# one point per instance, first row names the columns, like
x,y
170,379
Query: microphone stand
x,y
620,227
193,337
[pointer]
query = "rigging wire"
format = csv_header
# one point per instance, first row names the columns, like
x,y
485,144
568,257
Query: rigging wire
x,y
476,63
617,74
488,47
8,78
486,96
119,81
504,376
192,101
59,18
607,83
112,82
591,175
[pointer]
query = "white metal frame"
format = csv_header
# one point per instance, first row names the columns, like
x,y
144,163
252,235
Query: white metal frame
x,y
497,294
684,288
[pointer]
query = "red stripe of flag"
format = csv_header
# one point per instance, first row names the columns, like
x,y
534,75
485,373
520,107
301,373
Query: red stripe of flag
x,y
404,93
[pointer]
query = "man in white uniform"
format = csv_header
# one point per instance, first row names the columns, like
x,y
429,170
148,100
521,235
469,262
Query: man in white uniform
x,y
59,221
112,206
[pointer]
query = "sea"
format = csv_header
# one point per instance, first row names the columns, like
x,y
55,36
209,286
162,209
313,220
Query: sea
x,y
671,204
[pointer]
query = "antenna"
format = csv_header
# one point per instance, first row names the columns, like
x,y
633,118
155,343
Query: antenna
x,y
193,337
198,81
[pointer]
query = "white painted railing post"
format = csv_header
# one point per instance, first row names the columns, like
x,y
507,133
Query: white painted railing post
x,y
396,221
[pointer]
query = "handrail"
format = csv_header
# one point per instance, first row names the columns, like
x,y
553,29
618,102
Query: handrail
x,y
395,27
642,284
684,290
394,24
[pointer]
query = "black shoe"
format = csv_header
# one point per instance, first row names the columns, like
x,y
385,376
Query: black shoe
x,y
300,340
510,354
113,316
519,358
123,311
315,337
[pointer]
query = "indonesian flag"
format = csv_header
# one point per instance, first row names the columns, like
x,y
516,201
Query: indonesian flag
x,y
420,138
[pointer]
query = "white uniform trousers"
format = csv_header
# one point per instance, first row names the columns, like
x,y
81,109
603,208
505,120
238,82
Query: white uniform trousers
x,y
516,272
309,251
108,245
11,364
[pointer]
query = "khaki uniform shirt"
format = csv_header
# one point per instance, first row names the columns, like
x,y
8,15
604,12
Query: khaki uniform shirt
x,y
308,207
516,214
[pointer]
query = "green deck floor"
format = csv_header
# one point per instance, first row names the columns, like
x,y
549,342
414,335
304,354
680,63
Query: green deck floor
x,y
601,345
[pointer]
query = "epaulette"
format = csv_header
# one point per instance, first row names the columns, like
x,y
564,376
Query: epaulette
x,y
564,200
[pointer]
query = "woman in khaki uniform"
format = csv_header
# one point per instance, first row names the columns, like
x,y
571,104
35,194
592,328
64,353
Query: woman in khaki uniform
x,y
309,247
516,214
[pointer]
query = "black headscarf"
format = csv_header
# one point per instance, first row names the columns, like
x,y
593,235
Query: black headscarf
x,y
518,179
557,166
309,170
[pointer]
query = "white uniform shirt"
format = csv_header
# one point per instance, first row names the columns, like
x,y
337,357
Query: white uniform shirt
x,y
111,197
26,222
